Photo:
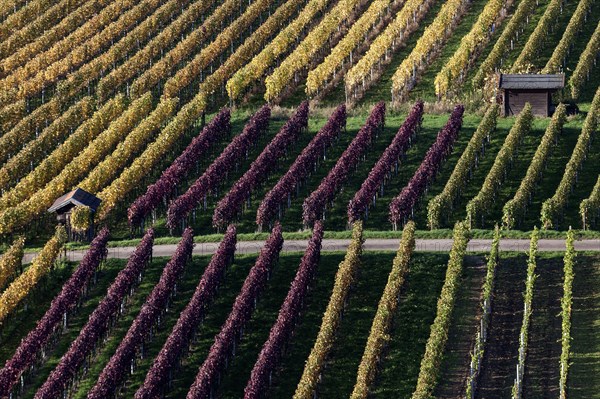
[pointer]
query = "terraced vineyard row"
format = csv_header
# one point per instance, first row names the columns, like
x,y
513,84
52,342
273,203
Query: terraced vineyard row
x,y
147,118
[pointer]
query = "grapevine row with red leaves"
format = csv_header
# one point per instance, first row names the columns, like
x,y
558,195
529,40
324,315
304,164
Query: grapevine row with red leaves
x,y
282,330
301,167
190,318
230,205
314,206
359,205
116,370
402,207
214,174
174,174
98,323
243,307
30,347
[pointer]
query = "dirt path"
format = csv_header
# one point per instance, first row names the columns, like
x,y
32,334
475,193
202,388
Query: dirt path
x,y
500,356
422,245
461,337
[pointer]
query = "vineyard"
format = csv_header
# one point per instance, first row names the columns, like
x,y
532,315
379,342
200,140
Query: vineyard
x,y
227,146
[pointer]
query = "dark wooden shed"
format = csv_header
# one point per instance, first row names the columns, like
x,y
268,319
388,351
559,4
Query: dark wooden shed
x,y
65,204
536,89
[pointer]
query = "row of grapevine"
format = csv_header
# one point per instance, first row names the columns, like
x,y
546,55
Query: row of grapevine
x,y
340,15
553,207
394,36
36,66
589,209
211,53
537,39
10,262
254,71
36,150
245,53
23,17
185,48
130,42
440,206
434,349
563,48
587,61
402,207
426,48
99,321
115,371
27,33
344,278
23,213
455,69
81,218
386,309
60,30
133,144
189,320
63,154
181,166
515,208
133,176
365,196
241,312
301,168
229,206
137,62
73,289
566,302
99,43
20,288
289,314
486,314
9,7
180,208
319,77
28,128
494,59
11,115
483,202
314,206
517,390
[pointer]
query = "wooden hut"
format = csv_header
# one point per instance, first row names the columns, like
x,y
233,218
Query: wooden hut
x,y
535,89
64,205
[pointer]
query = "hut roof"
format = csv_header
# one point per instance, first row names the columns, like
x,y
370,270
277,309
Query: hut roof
x,y
76,197
532,81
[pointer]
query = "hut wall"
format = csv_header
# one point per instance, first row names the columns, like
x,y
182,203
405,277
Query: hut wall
x,y
516,100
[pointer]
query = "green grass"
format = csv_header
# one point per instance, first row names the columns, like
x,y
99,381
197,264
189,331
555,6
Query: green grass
x,y
463,329
542,368
425,88
381,89
400,366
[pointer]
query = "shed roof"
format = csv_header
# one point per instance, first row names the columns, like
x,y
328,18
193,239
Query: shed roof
x,y
532,81
76,197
